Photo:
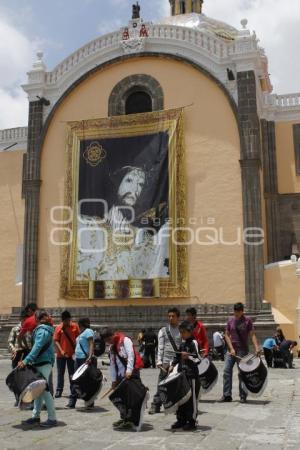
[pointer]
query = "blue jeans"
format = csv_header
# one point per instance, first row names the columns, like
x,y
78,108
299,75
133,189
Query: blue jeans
x,y
46,396
61,368
227,375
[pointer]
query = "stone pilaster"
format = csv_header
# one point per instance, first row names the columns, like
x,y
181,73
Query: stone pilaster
x,y
31,194
250,167
271,189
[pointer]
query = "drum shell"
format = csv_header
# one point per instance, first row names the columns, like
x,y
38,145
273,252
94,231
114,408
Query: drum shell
x,y
254,381
20,380
174,391
209,378
88,386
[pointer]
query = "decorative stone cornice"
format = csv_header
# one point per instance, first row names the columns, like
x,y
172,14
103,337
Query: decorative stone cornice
x,y
13,139
202,46
280,107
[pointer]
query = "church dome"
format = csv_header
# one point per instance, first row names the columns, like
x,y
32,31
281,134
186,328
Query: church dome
x,y
202,22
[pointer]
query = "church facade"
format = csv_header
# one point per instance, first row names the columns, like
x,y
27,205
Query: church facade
x,y
233,184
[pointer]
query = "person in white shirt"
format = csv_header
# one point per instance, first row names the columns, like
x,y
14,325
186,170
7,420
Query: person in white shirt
x,y
219,344
125,365
169,340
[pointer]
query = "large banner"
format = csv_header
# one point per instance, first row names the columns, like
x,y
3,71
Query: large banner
x,y
125,185
123,208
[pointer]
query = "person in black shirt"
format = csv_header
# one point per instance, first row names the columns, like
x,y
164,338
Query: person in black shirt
x,y
188,359
286,348
150,345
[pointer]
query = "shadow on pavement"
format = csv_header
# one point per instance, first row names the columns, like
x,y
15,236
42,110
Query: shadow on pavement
x,y
258,402
25,427
200,429
96,409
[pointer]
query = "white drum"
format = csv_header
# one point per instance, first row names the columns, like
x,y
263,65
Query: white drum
x,y
253,374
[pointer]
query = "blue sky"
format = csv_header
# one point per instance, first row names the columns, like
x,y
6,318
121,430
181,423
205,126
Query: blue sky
x,y
58,27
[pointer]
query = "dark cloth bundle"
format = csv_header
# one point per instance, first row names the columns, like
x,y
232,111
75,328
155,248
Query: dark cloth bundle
x,y
130,399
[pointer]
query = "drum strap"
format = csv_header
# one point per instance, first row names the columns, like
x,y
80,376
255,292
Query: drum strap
x,y
82,349
172,342
69,339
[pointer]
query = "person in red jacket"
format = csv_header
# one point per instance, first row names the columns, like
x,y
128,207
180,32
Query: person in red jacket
x,y
199,333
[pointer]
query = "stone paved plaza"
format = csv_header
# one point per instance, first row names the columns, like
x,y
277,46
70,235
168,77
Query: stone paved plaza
x,y
270,422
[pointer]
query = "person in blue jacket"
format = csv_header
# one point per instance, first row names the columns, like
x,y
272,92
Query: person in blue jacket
x,y
269,346
42,357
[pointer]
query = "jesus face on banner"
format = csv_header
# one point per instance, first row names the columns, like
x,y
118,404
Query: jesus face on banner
x,y
123,196
131,186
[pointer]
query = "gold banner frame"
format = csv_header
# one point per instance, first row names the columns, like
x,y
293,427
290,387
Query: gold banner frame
x,y
170,121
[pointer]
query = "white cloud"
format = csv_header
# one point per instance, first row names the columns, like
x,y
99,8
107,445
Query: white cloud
x,y
14,108
276,23
16,53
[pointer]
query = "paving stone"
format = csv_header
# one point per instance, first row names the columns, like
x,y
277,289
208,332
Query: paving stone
x,y
269,422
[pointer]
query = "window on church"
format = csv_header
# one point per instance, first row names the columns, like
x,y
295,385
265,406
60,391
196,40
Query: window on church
x,y
296,129
138,102
182,7
193,5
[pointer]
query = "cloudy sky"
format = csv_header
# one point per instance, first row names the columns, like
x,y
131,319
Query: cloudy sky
x,y
59,27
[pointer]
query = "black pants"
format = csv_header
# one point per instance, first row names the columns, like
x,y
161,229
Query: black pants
x,y
288,358
157,403
268,356
220,351
189,411
149,356
61,368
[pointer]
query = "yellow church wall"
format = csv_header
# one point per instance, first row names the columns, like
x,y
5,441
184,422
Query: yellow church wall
x,y
11,227
216,272
282,290
288,181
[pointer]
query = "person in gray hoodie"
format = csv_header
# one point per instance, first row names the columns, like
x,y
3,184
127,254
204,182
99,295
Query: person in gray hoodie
x,y
169,341
42,357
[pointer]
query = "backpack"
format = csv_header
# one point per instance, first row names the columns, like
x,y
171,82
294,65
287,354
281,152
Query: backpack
x,y
138,360
99,346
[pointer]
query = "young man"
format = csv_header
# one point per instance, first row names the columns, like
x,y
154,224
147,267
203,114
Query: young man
x,y
29,323
239,330
65,336
169,341
18,350
187,361
268,346
286,348
84,351
42,358
125,364
150,345
199,330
